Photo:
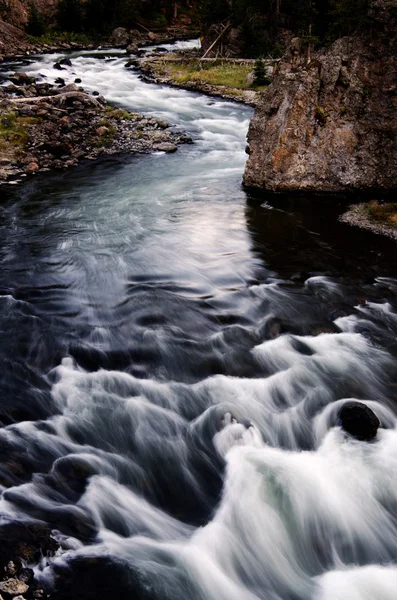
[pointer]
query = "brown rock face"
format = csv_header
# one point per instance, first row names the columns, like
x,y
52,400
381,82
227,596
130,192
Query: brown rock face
x,y
330,124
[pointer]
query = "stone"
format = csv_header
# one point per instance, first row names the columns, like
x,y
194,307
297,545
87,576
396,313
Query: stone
x,y
21,78
66,61
77,80
11,568
327,125
151,36
60,81
71,87
58,66
30,159
359,421
120,37
30,170
250,78
165,147
13,587
132,49
102,131
26,575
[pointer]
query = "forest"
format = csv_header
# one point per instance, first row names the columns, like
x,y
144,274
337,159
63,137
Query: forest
x,y
264,26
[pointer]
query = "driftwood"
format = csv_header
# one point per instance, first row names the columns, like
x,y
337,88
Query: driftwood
x,y
216,41
58,97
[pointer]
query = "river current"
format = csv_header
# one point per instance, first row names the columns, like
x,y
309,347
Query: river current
x,y
175,353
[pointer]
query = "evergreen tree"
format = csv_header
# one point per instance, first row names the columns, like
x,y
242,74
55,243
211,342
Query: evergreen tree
x,y
70,15
260,75
35,25
346,16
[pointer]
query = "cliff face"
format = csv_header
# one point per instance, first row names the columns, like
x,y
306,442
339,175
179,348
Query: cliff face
x,y
16,12
331,124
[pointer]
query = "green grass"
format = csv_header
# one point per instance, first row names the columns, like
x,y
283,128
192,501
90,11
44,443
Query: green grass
x,y
385,214
219,74
14,132
53,38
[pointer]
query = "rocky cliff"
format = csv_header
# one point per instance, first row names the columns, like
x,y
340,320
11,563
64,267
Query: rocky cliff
x,y
329,123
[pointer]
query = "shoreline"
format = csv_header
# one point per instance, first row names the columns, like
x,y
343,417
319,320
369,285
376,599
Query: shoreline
x,y
356,217
46,128
149,69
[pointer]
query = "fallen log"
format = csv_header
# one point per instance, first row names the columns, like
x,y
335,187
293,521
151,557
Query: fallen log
x,y
61,98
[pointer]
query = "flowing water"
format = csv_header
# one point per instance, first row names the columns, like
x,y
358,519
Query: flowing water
x,y
175,354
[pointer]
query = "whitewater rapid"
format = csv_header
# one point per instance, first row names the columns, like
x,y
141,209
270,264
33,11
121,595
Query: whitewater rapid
x,y
187,381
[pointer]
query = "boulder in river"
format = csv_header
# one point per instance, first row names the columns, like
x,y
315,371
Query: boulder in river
x,y
120,37
359,420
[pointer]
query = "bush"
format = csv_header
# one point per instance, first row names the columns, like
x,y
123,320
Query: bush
x,y
35,25
260,75
70,15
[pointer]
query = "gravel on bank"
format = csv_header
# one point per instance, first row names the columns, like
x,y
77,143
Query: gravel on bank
x,y
44,127
152,68
356,215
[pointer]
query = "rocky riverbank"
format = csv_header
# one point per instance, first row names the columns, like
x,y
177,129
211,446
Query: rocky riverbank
x,y
15,42
362,215
45,127
160,70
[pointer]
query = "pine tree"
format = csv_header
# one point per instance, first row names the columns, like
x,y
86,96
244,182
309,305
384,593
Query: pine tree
x,y
35,25
70,15
260,75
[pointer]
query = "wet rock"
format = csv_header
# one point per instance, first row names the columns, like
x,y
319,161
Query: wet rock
x,y
66,61
10,569
359,420
21,78
24,541
13,587
165,147
26,575
120,37
132,49
32,168
58,66
60,81
77,80
102,131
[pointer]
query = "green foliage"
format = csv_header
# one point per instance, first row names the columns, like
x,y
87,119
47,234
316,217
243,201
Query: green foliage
x,y
214,11
321,115
260,75
384,213
346,16
70,15
159,20
35,25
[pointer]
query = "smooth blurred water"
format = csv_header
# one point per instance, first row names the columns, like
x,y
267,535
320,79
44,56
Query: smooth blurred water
x,y
175,355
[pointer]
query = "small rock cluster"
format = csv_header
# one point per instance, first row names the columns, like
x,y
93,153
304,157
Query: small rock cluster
x,y
23,543
44,127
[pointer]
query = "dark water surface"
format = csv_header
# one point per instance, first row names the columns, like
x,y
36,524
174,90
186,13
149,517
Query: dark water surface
x,y
175,353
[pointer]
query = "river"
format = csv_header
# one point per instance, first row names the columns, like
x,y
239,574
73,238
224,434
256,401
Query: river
x,y
175,352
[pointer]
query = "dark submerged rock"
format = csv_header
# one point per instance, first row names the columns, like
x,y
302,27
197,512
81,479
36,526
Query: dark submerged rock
x,y
24,541
359,420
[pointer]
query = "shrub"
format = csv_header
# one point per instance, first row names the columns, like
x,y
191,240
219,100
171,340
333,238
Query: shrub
x,y
35,25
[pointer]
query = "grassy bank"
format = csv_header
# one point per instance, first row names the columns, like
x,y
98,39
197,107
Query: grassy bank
x,y
383,214
217,74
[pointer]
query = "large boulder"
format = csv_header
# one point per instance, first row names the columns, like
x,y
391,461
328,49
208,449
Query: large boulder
x,y
359,421
120,37
329,122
